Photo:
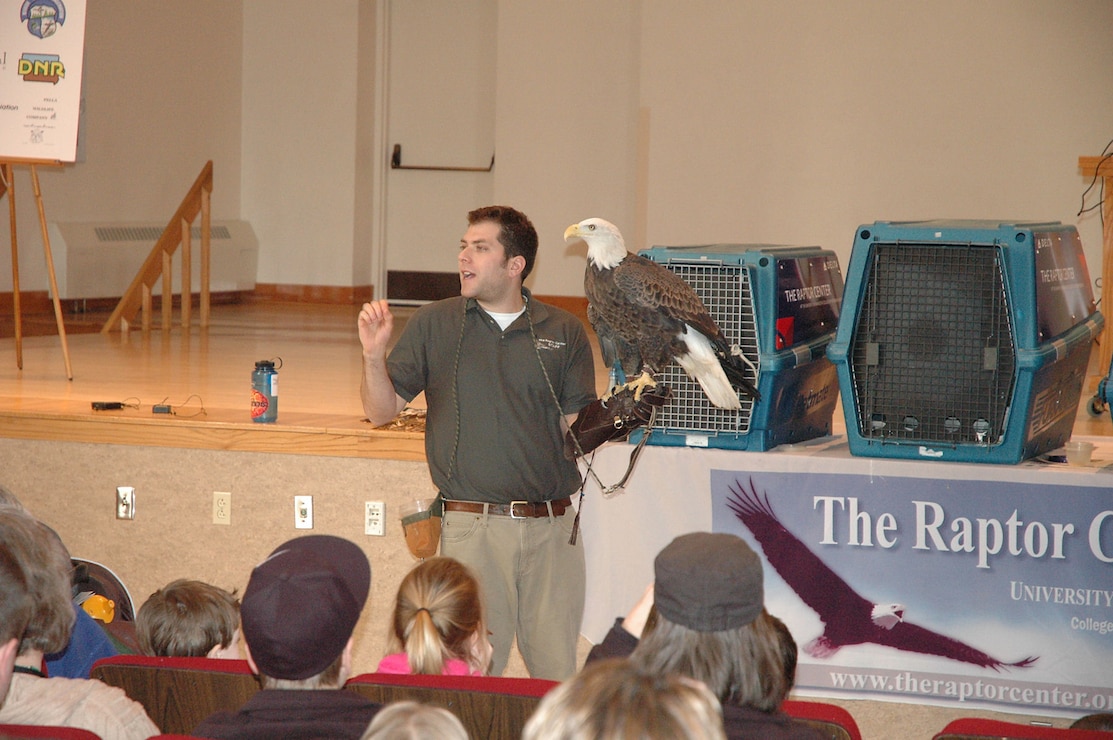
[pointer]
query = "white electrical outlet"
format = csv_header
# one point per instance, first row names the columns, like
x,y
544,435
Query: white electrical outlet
x,y
125,502
222,507
303,512
374,513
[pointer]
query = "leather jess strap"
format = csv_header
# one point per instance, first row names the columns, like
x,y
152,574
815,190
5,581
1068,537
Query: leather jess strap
x,y
514,510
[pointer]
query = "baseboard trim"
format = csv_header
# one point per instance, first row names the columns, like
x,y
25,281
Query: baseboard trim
x,y
574,304
332,294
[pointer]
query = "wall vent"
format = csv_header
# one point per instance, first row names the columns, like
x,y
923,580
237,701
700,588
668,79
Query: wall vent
x,y
99,260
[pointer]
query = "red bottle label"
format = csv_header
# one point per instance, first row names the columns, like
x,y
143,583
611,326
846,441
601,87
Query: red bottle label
x,y
259,404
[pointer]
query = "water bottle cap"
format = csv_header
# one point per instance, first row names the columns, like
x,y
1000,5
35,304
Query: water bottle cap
x,y
264,365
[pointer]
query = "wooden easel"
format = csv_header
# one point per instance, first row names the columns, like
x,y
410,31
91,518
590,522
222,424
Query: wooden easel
x,y
6,168
1103,167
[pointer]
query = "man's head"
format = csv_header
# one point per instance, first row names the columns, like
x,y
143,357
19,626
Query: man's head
x,y
15,612
189,619
711,621
301,605
516,232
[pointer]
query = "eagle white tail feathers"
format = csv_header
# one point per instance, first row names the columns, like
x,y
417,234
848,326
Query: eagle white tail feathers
x,y
702,364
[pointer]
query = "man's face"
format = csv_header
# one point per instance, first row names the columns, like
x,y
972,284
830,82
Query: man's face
x,y
485,272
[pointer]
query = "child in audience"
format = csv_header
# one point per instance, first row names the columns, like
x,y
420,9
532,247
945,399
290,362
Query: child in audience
x,y
438,626
410,720
189,619
614,699
33,698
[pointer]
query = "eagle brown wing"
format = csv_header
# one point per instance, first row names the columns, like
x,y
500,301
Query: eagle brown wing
x,y
651,286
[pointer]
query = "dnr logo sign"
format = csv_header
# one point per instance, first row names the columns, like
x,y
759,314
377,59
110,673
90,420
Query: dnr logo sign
x,y
41,68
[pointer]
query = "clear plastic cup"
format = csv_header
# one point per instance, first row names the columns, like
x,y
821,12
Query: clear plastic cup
x,y
1079,452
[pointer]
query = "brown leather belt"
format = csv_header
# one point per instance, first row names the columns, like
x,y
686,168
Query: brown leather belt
x,y
514,510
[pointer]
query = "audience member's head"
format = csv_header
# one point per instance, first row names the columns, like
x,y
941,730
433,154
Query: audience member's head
x,y
410,720
711,621
46,568
189,619
7,498
15,612
788,652
615,699
1102,722
438,616
299,610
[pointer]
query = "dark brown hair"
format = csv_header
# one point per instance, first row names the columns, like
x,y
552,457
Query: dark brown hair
x,y
516,232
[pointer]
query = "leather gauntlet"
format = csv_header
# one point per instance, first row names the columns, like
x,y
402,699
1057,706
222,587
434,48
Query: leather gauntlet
x,y
605,421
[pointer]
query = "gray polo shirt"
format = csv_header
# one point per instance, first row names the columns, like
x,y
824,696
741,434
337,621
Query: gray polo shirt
x,y
510,441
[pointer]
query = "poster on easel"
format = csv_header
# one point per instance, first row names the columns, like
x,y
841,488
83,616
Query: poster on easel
x,y
41,48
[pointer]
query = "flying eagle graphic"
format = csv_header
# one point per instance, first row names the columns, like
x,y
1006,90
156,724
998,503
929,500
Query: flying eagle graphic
x,y
848,618
646,316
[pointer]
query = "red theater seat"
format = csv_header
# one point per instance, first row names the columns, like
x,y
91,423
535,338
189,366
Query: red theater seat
x,y
179,692
489,707
972,728
830,719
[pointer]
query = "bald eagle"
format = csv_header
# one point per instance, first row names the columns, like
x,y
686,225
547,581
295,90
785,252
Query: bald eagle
x,y
646,316
848,618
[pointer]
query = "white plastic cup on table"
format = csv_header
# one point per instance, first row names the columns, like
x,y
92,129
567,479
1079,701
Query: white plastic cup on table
x,y
1079,452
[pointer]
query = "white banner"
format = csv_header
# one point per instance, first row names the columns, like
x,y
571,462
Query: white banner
x,y
41,47
995,582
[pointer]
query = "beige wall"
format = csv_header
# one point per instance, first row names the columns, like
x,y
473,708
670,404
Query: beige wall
x,y
711,120
172,535
162,96
299,132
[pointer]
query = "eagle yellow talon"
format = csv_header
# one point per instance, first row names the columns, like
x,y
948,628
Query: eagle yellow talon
x,y
645,380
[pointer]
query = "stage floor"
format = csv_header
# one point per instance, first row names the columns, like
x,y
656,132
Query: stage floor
x,y
205,376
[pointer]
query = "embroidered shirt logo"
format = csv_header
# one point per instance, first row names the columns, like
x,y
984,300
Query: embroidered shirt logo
x,y
551,344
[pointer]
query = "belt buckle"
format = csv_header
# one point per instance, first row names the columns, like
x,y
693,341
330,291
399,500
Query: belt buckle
x,y
515,503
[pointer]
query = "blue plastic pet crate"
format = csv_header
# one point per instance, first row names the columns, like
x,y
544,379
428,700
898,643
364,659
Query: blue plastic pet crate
x,y
780,306
964,340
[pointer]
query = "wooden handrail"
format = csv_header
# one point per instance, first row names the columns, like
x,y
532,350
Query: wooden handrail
x,y
158,264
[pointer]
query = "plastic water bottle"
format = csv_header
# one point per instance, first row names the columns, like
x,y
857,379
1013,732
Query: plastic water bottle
x,y
264,392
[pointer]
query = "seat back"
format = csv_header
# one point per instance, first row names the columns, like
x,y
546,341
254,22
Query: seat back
x,y
90,577
974,728
830,719
179,692
488,707
17,732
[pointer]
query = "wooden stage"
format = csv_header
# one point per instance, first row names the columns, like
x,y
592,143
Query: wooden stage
x,y
205,376
319,407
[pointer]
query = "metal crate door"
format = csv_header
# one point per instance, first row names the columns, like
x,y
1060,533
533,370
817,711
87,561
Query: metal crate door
x,y
933,354
726,291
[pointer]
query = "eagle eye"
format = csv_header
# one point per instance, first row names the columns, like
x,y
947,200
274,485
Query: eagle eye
x,y
591,227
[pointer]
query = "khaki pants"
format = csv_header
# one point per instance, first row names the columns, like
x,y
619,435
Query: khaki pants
x,y
532,583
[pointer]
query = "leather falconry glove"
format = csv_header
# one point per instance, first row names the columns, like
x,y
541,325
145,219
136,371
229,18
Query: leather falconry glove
x,y
614,418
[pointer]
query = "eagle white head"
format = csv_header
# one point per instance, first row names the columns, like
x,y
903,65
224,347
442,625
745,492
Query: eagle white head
x,y
605,247
887,615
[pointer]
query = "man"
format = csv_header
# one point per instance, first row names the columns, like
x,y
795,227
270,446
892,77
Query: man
x,y
15,612
298,612
705,618
503,375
